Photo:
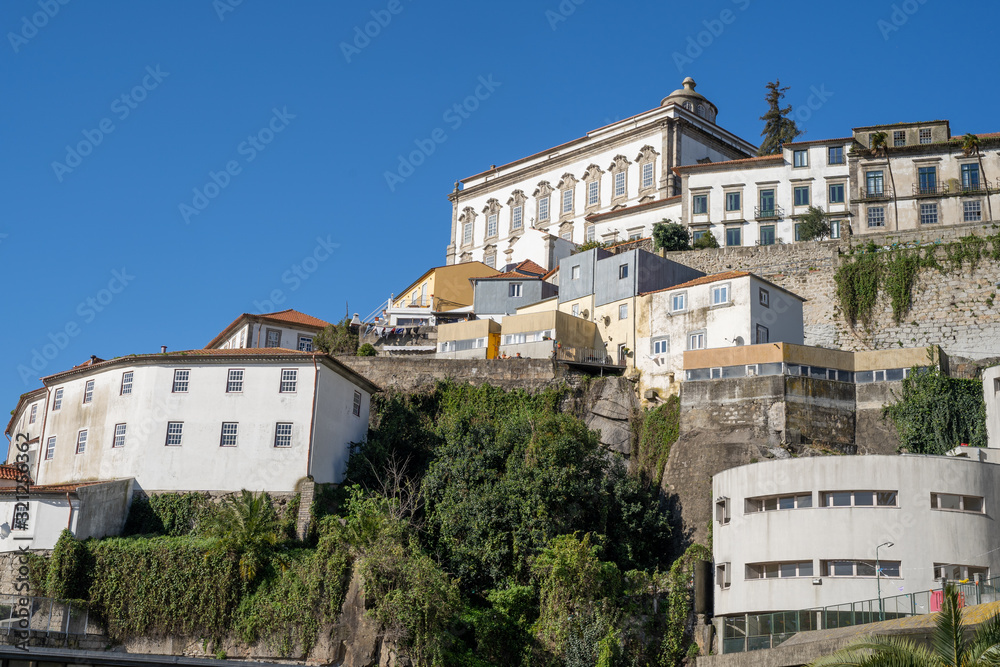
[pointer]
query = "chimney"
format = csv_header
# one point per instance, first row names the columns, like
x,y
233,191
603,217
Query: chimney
x,y
163,349
93,358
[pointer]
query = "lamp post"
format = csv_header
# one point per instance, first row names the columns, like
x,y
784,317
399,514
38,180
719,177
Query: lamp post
x,y
878,580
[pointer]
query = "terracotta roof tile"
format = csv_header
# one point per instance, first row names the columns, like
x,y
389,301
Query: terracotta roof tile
x,y
10,472
530,267
732,163
704,280
526,270
288,316
49,488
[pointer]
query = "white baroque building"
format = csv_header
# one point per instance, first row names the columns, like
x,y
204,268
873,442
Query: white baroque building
x,y
552,193
802,533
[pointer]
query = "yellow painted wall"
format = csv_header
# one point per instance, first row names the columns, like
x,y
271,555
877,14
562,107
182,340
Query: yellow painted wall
x,y
806,355
448,285
467,330
617,331
545,306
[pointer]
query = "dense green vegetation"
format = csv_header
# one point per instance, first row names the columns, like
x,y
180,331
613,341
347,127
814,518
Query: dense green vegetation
x,y
487,528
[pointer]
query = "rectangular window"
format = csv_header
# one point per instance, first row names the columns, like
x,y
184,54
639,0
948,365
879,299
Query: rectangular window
x,y
515,290
230,431
767,209
836,193
874,183
357,404
835,229
798,231
81,441
289,378
273,338
953,572
243,337
762,335
972,211
576,310
516,217
764,297
779,570
175,432
574,273
491,225
767,235
305,344
928,214
876,216
661,345
802,195
957,503
696,341
120,431
699,204
234,385
543,209
181,377
567,235
619,184
800,158
858,568
593,193
88,392
623,311
928,180
734,236
623,271
925,135
720,295
970,176
772,503
732,201
50,448
677,302
34,414
467,234
283,434
57,399
858,499
491,261
722,514
567,201
591,233
647,175
899,138
835,155
126,383
722,575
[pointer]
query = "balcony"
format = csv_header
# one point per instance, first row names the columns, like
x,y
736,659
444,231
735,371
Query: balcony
x,y
930,190
768,213
589,358
875,194
979,187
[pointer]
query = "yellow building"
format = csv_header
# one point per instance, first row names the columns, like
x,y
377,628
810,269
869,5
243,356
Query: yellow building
x,y
538,335
443,288
472,339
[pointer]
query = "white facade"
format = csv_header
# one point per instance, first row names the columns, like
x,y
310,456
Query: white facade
x,y
628,162
220,420
633,222
757,201
801,533
287,329
721,310
991,396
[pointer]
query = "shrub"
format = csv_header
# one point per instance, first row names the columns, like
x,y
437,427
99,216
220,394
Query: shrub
x,y
670,236
367,350
707,240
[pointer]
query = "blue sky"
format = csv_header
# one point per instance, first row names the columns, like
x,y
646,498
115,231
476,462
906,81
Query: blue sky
x,y
166,166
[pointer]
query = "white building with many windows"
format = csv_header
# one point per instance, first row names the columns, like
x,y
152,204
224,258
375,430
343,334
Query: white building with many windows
x,y
288,329
621,165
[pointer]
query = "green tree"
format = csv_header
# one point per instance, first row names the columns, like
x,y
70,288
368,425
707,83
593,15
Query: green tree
x,y
880,147
706,240
813,225
337,339
670,236
970,146
245,526
367,350
949,646
779,129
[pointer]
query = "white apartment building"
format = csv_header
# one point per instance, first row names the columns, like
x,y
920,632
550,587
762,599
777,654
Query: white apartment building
x,y
624,164
802,533
758,200
288,329
721,310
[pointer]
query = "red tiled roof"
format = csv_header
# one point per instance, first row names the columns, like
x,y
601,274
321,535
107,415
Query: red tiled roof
x,y
288,316
732,163
50,488
530,267
526,270
10,472
726,275
90,362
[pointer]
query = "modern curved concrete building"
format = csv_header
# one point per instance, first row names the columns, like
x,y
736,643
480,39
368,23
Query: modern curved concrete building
x,y
802,533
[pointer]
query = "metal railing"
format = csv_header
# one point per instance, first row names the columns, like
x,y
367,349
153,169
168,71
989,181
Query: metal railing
x,y
377,313
975,188
753,632
928,189
875,194
765,213
586,355
44,616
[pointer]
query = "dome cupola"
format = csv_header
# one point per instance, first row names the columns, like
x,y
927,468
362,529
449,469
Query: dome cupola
x,y
691,100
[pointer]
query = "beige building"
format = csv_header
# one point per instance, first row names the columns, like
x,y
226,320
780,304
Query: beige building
x,y
473,339
927,180
540,335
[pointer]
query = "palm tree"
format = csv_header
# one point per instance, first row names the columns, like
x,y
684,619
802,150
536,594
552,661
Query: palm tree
x,y
247,527
970,146
949,646
880,146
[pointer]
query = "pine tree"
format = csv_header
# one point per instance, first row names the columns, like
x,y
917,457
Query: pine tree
x,y
778,128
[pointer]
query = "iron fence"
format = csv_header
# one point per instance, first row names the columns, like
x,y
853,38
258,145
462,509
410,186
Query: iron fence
x,y
45,616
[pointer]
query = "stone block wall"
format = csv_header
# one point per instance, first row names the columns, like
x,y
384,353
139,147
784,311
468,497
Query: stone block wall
x,y
408,374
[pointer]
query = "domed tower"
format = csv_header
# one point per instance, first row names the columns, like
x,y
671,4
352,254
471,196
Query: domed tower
x,y
692,101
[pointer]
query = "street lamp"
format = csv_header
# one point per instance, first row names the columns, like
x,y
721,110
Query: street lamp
x,y
878,580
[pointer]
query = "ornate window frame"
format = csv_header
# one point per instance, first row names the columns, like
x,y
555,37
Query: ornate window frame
x,y
467,220
492,208
592,175
647,155
567,184
543,191
516,201
620,165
